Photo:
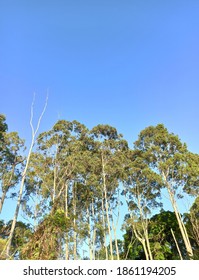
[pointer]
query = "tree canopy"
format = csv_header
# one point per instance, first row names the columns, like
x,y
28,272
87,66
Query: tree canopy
x,y
77,182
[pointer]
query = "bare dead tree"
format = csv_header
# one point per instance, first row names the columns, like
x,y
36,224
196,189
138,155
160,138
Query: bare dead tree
x,y
33,139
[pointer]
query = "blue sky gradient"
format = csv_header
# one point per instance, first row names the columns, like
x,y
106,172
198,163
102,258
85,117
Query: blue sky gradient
x,y
126,63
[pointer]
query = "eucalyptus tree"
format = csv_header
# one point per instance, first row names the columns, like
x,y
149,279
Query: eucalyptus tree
x,y
60,174
109,147
88,210
142,193
169,157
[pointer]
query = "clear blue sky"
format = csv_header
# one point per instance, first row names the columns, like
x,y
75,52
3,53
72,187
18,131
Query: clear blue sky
x,y
129,63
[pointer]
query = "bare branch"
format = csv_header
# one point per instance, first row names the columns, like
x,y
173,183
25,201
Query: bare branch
x,y
31,115
39,121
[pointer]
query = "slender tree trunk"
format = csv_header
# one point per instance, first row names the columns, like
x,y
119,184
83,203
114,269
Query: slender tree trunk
x,y
180,222
109,227
114,226
54,184
179,252
18,203
66,215
74,223
34,132
107,207
148,244
55,174
145,249
89,233
142,241
94,238
140,237
116,243
129,245
144,223
94,231
104,226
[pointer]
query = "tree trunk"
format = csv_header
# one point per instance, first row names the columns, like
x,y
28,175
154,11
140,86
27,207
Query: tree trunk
x,y
18,203
66,215
94,231
116,244
114,226
142,241
89,233
34,132
179,252
148,244
104,226
180,222
107,207
74,224
55,173
144,223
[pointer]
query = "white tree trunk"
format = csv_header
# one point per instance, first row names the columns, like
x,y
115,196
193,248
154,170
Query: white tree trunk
x,y
34,132
107,208
179,220
66,215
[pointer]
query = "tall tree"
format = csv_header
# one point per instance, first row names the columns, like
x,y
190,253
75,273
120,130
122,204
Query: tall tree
x,y
165,154
109,147
23,176
60,173
142,190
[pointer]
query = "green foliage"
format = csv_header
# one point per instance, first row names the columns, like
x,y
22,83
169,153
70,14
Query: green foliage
x,y
2,247
72,188
46,242
11,161
59,220
169,157
3,128
133,249
21,236
162,244
160,235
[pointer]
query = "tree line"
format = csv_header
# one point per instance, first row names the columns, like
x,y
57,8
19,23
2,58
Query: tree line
x,y
73,184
